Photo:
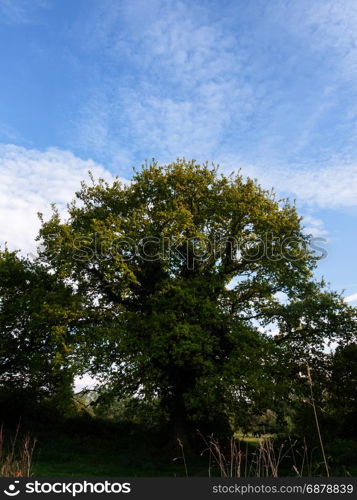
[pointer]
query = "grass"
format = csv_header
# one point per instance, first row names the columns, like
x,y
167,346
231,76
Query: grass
x,y
271,455
112,450
249,438
86,447
63,456
16,454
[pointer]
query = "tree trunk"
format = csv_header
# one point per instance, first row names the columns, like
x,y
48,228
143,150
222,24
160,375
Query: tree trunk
x,y
181,431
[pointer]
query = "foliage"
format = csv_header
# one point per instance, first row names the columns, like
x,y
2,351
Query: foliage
x,y
36,312
179,272
334,380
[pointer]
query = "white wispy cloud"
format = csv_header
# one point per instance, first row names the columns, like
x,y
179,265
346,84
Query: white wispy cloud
x,y
325,24
30,181
334,186
179,87
20,11
327,28
183,87
314,226
351,298
331,186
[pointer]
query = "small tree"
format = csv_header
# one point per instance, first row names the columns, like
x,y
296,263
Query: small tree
x,y
36,311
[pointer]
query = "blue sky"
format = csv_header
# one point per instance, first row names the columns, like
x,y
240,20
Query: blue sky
x,y
269,87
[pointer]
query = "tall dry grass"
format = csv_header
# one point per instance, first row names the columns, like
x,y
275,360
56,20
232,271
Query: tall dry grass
x,y
16,455
267,460
238,461
311,385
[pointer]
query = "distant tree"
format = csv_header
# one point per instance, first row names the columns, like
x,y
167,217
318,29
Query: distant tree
x,y
180,271
342,393
333,377
36,310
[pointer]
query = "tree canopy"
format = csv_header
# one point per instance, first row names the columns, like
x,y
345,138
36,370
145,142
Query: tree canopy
x,y
181,273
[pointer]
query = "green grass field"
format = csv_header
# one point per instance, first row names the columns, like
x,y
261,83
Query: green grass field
x,y
85,447
112,451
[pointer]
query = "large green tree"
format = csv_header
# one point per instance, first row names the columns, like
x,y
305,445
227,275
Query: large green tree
x,y
181,271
